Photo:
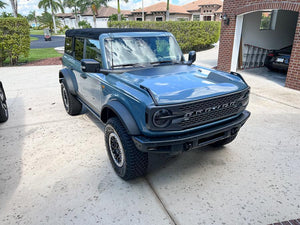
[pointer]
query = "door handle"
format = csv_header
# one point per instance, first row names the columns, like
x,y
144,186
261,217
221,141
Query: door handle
x,y
83,75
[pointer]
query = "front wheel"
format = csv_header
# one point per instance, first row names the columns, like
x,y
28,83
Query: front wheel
x,y
72,105
127,161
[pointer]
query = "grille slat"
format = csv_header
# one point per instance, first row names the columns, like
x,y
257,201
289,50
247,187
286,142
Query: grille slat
x,y
202,117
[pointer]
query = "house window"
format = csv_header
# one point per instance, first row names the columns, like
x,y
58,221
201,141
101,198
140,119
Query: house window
x,y
158,18
196,17
266,21
139,19
207,18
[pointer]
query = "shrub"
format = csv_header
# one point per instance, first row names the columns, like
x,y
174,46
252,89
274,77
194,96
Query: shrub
x,y
14,39
84,24
191,35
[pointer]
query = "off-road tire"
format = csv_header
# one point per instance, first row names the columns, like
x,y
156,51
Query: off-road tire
x,y
224,141
3,106
72,105
135,162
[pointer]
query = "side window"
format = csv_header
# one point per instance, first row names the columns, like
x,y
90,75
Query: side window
x,y
68,46
79,46
93,50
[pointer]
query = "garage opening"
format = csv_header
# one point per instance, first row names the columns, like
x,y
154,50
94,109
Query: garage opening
x,y
266,39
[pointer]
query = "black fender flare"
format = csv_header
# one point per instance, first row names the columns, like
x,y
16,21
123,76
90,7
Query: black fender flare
x,y
123,114
70,79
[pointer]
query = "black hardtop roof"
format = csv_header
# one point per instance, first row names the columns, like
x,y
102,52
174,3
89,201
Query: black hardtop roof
x,y
94,33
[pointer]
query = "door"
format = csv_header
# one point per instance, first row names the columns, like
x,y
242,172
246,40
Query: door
x,y
89,84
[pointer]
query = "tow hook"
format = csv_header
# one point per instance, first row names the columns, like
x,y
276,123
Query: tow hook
x,y
187,146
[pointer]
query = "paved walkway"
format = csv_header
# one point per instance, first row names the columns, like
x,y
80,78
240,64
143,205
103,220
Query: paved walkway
x,y
207,58
54,168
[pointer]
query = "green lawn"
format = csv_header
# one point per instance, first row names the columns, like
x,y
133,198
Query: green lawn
x,y
33,39
37,54
37,32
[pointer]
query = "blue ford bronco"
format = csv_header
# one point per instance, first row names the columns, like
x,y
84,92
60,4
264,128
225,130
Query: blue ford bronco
x,y
137,82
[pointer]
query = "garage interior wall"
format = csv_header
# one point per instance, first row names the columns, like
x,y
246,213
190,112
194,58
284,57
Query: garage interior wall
x,y
282,36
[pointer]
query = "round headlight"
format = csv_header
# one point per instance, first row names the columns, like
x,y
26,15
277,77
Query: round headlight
x,y
161,118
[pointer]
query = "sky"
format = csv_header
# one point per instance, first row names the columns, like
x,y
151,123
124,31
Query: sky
x,y
25,6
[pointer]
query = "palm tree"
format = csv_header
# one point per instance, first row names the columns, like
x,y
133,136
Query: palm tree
x,y
119,9
94,5
54,6
2,5
32,17
168,10
74,5
46,21
14,5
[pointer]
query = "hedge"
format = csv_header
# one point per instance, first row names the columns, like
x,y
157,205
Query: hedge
x,y
191,35
14,39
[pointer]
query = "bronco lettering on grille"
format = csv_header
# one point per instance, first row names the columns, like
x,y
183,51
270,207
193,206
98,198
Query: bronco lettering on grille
x,y
188,115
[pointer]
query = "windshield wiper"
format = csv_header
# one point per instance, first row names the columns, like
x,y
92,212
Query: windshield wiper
x,y
129,64
165,62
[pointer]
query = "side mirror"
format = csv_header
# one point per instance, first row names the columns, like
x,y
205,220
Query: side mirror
x,y
90,66
192,57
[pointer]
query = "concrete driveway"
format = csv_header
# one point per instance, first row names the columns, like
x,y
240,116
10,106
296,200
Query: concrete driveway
x,y
57,41
54,168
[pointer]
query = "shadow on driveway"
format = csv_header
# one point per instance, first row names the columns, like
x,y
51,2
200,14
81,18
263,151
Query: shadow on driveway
x,y
12,142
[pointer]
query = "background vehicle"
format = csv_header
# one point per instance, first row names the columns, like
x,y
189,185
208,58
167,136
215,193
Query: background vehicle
x,y
3,105
47,35
150,99
279,59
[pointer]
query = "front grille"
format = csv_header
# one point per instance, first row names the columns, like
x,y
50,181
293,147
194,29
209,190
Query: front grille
x,y
188,115
210,110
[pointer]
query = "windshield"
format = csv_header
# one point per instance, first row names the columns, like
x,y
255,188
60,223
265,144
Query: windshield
x,y
132,51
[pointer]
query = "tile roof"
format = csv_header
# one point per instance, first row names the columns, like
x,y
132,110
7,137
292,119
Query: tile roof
x,y
64,15
126,12
104,12
220,10
195,5
162,7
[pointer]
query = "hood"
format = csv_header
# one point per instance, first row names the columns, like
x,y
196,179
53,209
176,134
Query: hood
x,y
182,83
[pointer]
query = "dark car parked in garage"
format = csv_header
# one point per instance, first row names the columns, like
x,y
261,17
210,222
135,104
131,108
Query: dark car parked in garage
x,y
3,105
279,59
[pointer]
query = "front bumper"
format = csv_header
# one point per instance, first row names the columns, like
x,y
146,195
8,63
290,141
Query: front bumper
x,y
175,144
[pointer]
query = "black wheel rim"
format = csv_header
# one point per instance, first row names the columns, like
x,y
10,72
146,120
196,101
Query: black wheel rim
x,y
116,149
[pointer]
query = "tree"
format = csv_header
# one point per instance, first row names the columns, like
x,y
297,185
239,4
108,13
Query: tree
x,y
46,21
168,10
114,17
14,5
94,5
32,17
74,5
54,6
119,9
5,15
84,24
2,5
